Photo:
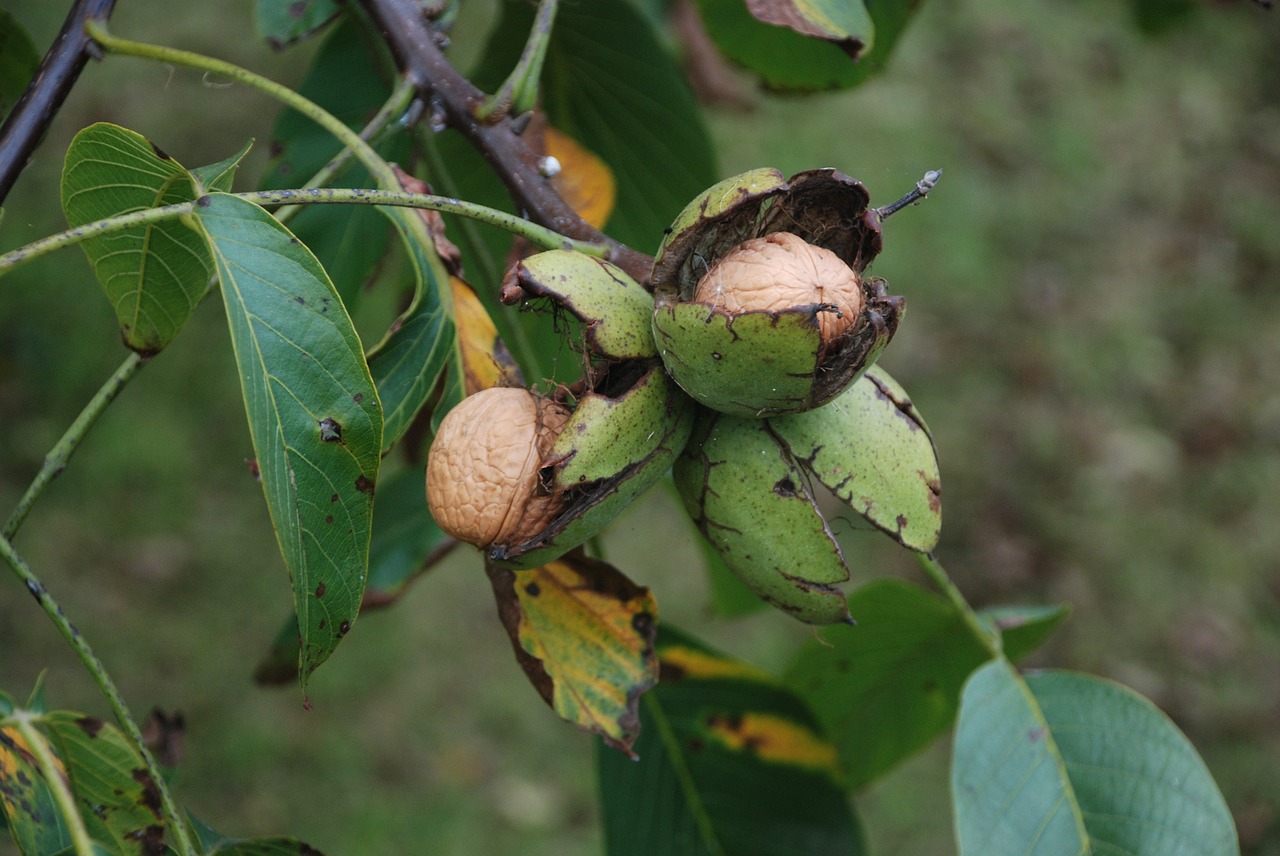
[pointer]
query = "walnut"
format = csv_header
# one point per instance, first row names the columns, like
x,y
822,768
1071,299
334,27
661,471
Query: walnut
x,y
482,479
782,271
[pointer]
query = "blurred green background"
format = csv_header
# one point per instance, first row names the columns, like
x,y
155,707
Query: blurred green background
x,y
1093,335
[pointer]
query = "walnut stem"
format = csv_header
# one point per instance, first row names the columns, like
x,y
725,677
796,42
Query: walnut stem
x,y
923,186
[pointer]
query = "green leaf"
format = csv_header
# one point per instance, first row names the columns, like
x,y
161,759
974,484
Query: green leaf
x,y
1064,763
220,175
889,686
785,59
118,797
604,65
345,78
407,364
28,805
18,61
283,22
844,23
730,763
404,535
1023,629
153,275
314,414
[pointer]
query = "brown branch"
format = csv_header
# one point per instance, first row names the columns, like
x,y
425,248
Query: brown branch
x,y
515,163
58,72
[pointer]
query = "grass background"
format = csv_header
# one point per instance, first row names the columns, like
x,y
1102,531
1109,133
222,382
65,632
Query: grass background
x,y
1093,335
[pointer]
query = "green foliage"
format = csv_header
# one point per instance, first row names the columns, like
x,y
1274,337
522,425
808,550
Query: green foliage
x,y
154,275
313,412
1077,765
729,762
730,759
18,61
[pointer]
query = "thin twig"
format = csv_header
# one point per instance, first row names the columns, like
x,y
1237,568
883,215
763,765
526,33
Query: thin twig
x,y
512,160
922,188
58,72
982,632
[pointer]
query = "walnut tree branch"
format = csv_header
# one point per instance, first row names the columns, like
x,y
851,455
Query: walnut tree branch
x,y
412,42
58,72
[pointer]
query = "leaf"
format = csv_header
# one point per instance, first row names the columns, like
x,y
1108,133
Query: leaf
x,y
485,359
785,59
584,180
583,633
1023,629
407,364
344,78
119,800
271,846
889,686
844,23
153,275
1066,763
282,22
28,804
730,763
19,60
221,175
313,413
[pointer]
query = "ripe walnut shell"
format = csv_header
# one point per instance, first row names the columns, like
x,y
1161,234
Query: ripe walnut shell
x,y
780,271
483,483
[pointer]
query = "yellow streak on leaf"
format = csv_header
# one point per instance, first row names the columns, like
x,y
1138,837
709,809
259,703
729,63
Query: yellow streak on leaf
x,y
15,757
692,663
776,740
584,181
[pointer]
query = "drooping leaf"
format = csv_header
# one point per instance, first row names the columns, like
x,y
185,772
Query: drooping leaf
x,y
271,846
584,635
786,58
221,175
1069,763
314,414
408,362
29,808
18,61
844,23
282,22
347,78
153,275
117,796
730,763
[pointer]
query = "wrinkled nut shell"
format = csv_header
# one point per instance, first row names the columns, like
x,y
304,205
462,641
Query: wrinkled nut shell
x,y
781,271
482,471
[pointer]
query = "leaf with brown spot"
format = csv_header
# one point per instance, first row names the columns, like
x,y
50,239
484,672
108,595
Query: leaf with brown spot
x,y
28,806
584,635
843,23
584,180
119,800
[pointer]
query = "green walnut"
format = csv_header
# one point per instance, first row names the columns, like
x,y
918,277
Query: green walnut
x,y
762,305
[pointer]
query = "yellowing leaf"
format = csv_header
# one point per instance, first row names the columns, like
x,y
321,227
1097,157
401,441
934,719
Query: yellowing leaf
x,y
485,359
584,180
775,739
679,661
584,635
